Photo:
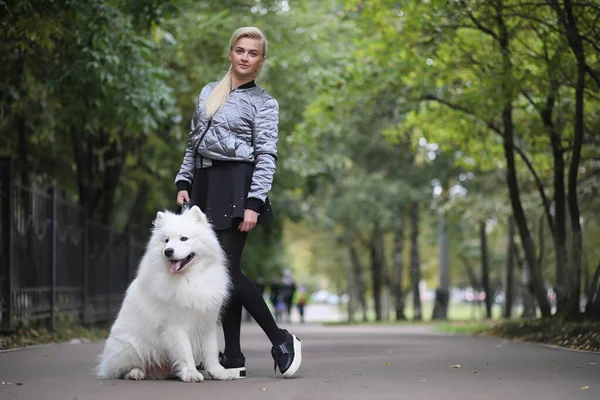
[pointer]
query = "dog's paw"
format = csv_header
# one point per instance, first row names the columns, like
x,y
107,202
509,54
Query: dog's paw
x,y
221,374
135,374
191,375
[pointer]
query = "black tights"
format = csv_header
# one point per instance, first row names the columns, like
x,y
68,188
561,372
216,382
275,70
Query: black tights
x,y
244,294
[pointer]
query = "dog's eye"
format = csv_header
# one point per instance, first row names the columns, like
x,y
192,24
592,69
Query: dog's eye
x,y
183,238
166,240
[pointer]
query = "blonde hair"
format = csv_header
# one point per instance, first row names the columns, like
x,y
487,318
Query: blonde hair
x,y
219,95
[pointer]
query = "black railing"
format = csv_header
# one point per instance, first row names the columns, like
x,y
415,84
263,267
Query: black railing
x,y
55,262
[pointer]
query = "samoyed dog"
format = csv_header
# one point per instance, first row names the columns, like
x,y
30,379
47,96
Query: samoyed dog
x,y
167,323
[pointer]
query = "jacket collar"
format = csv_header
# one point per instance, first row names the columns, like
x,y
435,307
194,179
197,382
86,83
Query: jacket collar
x,y
247,85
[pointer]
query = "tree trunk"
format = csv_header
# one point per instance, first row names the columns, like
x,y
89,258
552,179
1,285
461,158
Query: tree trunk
x,y
572,308
357,271
567,19
83,159
442,294
134,223
385,275
510,267
511,170
470,270
485,270
100,162
592,308
23,151
376,272
526,290
351,290
398,261
26,200
385,300
563,285
415,262
587,281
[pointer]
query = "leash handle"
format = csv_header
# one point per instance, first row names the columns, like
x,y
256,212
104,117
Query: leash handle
x,y
185,206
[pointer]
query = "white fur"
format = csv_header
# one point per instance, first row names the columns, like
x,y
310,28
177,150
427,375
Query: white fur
x,y
168,322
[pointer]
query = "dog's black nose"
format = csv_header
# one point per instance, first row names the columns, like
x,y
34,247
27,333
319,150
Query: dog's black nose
x,y
169,252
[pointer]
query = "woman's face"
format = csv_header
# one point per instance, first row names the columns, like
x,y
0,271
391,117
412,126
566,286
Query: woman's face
x,y
246,57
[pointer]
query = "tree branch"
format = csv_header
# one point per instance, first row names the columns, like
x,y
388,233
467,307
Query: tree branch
x,y
480,26
592,74
497,130
529,99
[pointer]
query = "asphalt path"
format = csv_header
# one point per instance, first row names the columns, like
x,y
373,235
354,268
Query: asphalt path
x,y
339,362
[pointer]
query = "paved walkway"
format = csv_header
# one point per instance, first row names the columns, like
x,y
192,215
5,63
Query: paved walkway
x,y
344,363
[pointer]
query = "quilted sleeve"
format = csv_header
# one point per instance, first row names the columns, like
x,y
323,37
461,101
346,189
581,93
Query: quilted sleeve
x,y
266,126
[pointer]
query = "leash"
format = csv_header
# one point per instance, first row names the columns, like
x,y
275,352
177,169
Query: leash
x,y
185,206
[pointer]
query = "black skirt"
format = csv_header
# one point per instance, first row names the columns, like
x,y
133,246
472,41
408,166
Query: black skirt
x,y
221,191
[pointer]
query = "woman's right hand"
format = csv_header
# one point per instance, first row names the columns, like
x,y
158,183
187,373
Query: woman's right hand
x,y
182,196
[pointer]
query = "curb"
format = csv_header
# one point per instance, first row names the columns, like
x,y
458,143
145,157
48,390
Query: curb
x,y
555,347
37,346
516,340
34,346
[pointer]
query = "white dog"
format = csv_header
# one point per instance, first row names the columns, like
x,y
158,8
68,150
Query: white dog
x,y
168,320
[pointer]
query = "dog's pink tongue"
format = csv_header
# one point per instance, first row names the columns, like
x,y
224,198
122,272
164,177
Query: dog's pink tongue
x,y
175,266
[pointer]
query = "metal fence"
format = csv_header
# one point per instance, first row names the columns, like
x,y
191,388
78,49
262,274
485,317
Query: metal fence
x,y
55,262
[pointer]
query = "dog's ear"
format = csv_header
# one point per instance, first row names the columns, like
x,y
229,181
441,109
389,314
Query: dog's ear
x,y
159,217
198,214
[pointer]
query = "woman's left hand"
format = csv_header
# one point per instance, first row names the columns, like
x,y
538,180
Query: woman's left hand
x,y
249,222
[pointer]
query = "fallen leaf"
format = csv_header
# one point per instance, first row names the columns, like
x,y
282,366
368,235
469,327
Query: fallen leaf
x,y
19,383
386,363
455,366
585,387
264,389
474,372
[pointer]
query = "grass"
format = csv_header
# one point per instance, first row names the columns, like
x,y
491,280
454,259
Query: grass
x,y
465,327
456,312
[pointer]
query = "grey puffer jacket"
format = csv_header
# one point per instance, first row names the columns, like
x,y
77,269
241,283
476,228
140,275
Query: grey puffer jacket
x,y
245,128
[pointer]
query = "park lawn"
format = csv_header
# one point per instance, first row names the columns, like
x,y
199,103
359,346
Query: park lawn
x,y
457,311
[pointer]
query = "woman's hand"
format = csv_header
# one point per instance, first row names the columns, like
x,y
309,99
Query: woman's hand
x,y
182,196
249,222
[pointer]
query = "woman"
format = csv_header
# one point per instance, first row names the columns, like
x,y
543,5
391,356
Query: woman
x,y
229,165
